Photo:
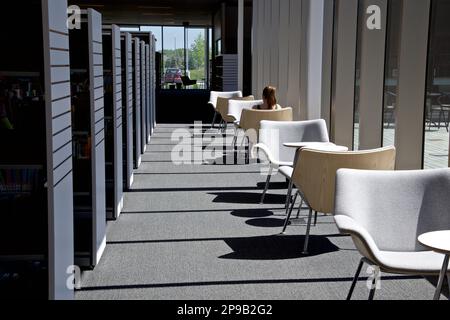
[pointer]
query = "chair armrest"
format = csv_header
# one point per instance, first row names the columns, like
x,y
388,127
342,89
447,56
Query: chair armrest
x,y
266,151
347,225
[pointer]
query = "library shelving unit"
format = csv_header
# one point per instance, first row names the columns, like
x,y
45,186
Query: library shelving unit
x,y
225,70
143,98
88,121
146,39
112,73
148,129
137,150
36,239
127,111
152,84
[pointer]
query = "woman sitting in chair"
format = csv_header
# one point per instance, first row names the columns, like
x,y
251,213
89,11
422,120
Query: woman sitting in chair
x,y
269,99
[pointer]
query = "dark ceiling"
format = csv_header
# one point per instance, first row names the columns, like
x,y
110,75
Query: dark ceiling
x,y
165,12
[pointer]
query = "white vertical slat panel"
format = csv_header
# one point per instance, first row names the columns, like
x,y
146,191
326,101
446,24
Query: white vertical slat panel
x,y
59,162
274,44
137,101
312,59
343,95
295,30
261,31
412,83
118,120
373,51
283,58
98,143
304,57
255,56
266,44
327,61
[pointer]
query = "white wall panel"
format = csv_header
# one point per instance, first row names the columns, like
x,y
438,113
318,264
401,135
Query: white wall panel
x,y
255,51
283,55
344,72
293,98
274,44
371,94
412,83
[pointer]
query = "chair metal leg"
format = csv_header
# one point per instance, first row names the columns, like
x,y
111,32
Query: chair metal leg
x,y
233,144
315,219
288,197
355,279
214,119
437,294
300,208
294,201
448,284
288,215
308,230
269,176
374,283
225,126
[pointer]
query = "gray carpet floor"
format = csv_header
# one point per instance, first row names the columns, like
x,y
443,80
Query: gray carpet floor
x,y
197,231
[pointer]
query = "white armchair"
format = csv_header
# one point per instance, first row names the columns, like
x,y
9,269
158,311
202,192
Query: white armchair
x,y
216,94
385,212
235,108
274,134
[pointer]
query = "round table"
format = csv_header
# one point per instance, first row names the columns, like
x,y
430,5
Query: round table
x,y
438,241
320,146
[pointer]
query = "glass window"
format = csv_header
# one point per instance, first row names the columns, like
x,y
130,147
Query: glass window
x,y
391,72
196,56
437,107
173,57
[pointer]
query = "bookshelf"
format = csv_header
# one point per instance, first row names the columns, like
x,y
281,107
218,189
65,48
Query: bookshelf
x,y
225,73
127,110
137,151
88,139
35,142
112,73
146,39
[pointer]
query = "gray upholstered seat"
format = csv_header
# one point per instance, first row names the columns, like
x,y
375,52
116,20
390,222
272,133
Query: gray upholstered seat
x,y
216,94
385,212
274,134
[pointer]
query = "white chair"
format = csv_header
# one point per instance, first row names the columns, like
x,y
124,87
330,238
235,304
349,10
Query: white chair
x,y
235,108
213,100
274,134
385,212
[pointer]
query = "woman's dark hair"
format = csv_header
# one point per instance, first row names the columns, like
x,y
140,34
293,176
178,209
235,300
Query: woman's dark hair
x,y
269,94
